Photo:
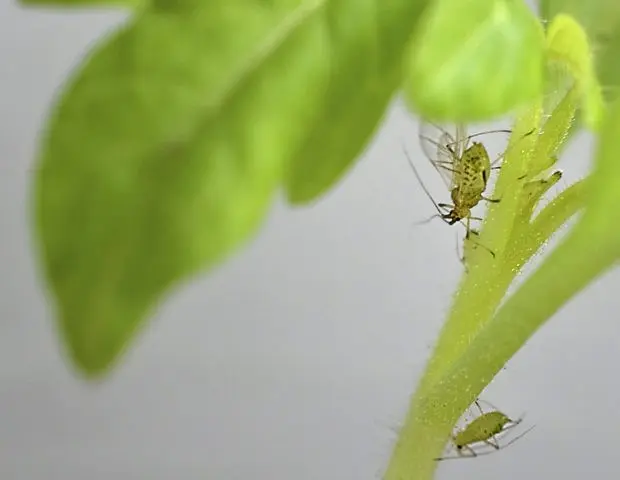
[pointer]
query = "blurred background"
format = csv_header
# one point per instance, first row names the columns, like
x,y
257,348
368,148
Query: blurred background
x,y
296,358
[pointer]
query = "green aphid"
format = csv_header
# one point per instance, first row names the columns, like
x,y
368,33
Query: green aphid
x,y
481,431
465,169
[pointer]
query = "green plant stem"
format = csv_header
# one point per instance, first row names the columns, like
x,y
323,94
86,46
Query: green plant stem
x,y
412,457
547,222
432,415
482,289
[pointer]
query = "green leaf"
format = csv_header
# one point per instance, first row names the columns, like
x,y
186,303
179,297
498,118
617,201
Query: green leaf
x,y
601,20
133,4
367,68
567,43
162,156
471,61
607,52
598,17
599,226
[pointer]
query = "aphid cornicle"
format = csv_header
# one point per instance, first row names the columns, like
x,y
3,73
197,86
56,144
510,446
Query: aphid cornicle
x,y
483,430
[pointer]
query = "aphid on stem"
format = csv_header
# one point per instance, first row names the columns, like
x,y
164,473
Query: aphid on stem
x,y
465,170
481,431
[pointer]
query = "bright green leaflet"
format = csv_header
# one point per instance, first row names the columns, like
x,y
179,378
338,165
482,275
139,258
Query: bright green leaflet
x,y
164,151
478,338
474,60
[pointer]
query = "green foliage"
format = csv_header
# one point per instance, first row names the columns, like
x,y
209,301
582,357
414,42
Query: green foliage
x,y
365,63
165,148
145,175
474,60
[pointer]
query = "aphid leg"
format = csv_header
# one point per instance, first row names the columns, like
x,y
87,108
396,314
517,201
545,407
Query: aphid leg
x,y
488,403
510,442
518,436
468,231
491,200
513,423
493,163
467,448
502,155
492,442
468,227
460,454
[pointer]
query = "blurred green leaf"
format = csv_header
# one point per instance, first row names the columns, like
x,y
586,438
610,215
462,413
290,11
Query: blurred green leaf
x,y
471,61
599,225
164,151
369,40
163,154
601,21
567,43
598,17
85,3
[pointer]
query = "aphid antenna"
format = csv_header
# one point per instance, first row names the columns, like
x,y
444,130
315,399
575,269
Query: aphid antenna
x,y
499,130
503,154
440,213
430,219
465,140
513,422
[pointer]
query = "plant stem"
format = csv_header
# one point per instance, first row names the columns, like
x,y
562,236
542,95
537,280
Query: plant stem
x,y
448,387
432,413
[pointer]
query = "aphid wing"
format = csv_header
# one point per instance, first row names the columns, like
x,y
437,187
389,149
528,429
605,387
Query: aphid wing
x,y
461,140
447,163
436,144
